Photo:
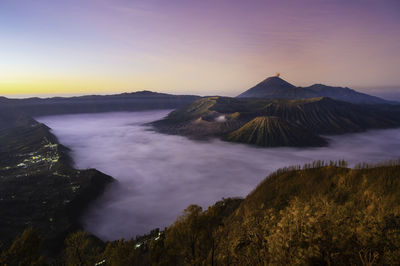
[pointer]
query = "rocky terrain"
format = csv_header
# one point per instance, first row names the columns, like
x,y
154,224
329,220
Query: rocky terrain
x,y
276,122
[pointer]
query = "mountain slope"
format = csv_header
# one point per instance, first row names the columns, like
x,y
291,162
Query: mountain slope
x,y
38,186
321,215
300,120
345,94
14,118
270,131
327,116
277,88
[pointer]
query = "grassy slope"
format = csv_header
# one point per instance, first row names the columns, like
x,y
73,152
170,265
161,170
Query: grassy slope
x,y
347,210
336,183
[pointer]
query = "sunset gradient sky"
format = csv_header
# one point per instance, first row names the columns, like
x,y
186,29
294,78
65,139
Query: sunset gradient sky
x,y
202,47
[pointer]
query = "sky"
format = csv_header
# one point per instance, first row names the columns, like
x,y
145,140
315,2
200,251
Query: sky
x,y
208,47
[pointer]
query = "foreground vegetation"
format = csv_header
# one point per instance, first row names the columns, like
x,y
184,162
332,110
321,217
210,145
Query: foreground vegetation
x,y
318,214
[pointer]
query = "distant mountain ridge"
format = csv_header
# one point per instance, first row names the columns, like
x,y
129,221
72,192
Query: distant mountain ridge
x,y
135,101
277,88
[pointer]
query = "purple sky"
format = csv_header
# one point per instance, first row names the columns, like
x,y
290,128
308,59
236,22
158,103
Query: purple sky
x,y
200,47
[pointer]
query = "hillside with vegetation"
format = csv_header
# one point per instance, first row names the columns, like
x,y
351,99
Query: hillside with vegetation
x,y
325,214
38,186
292,122
322,213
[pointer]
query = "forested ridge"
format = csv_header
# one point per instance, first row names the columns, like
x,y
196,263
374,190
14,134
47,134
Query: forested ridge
x,y
322,213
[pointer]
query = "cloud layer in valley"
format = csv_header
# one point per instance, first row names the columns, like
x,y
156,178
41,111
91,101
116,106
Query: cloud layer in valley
x,y
160,175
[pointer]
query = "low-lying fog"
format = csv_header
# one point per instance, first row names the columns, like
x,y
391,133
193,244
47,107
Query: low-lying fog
x,y
160,175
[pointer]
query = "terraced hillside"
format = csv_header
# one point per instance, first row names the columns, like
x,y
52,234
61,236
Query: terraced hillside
x,y
299,124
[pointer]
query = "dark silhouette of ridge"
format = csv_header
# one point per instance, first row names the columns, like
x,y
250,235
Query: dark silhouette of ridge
x,y
277,88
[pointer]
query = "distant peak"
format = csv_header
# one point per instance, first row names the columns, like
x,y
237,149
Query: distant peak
x,y
267,87
144,92
273,78
276,80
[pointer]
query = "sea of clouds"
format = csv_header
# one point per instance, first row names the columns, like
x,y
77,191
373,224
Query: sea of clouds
x,y
160,175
